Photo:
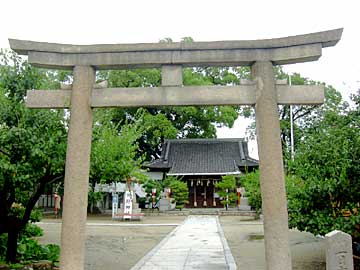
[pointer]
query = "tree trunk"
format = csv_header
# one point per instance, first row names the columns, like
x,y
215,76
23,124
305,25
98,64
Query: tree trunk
x,y
11,251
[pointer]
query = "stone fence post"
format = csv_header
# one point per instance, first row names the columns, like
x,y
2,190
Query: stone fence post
x,y
339,255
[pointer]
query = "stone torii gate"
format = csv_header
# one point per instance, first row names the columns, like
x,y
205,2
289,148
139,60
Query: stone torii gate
x,y
263,92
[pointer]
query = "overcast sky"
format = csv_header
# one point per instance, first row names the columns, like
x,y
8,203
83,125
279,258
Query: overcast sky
x,y
131,21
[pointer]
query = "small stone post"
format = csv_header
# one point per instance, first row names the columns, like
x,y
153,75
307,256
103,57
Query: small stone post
x,y
77,171
339,251
272,181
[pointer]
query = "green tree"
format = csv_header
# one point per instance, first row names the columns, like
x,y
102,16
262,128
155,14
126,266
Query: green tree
x,y
179,191
183,122
32,147
302,115
226,189
251,183
327,171
177,122
113,153
93,198
148,186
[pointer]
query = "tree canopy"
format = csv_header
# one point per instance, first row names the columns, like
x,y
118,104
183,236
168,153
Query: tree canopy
x,y
176,122
32,147
302,115
113,151
324,192
323,180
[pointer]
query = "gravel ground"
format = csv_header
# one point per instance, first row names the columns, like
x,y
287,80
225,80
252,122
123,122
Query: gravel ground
x,y
245,239
120,247
115,247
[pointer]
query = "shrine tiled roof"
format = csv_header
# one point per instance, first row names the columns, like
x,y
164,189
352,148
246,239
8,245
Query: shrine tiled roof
x,y
203,157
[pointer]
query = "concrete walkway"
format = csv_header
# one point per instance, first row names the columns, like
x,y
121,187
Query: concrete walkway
x,y
198,243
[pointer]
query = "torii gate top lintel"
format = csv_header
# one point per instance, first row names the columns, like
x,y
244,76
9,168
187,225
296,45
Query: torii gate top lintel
x,y
287,50
171,57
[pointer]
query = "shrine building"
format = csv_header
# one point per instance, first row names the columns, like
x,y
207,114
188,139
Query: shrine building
x,y
202,163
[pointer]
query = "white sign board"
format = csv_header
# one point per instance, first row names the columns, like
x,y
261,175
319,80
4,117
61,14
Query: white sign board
x,y
128,196
115,198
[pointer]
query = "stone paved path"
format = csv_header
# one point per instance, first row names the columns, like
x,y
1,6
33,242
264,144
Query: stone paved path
x,y
198,243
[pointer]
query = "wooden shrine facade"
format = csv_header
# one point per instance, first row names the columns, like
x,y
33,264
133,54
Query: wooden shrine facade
x,y
201,163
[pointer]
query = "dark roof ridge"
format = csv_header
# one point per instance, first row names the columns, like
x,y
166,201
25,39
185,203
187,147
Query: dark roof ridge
x,y
204,156
166,157
241,151
205,140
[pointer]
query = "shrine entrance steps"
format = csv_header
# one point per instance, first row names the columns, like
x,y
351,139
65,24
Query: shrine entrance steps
x,y
221,212
198,243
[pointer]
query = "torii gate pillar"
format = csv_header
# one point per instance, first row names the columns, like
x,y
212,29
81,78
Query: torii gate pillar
x,y
77,167
272,180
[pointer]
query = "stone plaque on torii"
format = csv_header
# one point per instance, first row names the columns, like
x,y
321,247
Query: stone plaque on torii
x,y
263,92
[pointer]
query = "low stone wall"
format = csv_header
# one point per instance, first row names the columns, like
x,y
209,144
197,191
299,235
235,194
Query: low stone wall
x,y
200,211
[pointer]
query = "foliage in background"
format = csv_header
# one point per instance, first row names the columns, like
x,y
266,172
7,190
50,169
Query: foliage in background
x,y
32,146
32,230
179,191
251,183
113,153
174,122
149,185
93,198
327,164
28,249
177,122
323,181
302,115
226,189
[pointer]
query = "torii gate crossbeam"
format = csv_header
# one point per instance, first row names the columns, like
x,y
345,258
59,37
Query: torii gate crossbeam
x,y
263,92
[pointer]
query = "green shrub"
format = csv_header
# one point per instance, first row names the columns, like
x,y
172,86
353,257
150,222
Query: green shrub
x,y
310,208
93,199
251,182
29,249
36,215
179,191
16,266
53,252
228,183
32,230
3,242
18,210
149,185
